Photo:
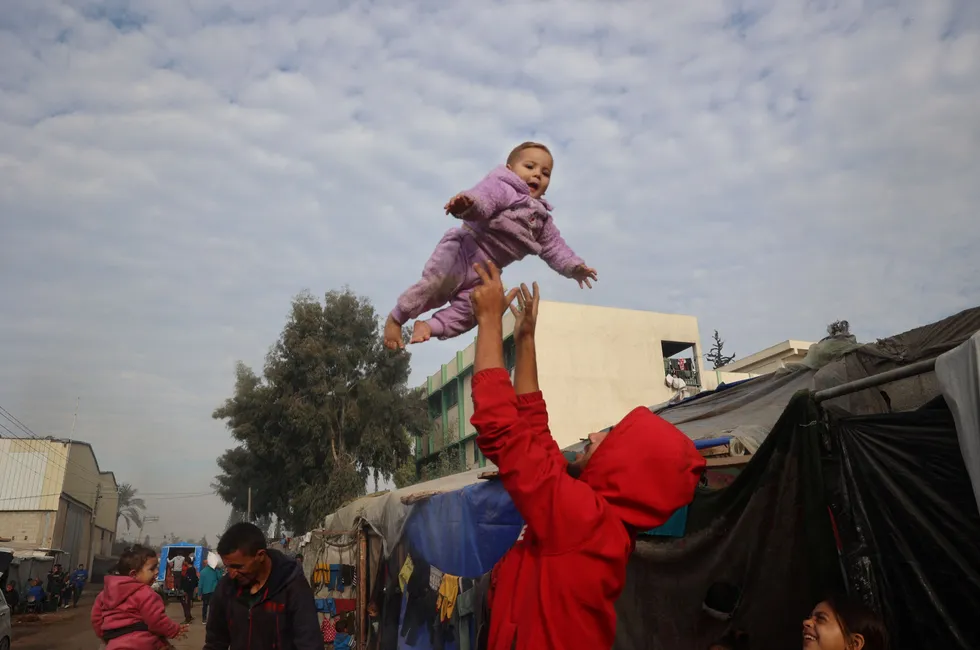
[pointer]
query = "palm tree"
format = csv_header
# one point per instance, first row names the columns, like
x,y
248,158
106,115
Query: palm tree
x,y
131,507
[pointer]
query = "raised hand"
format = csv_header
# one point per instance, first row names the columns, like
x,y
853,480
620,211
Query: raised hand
x,y
458,204
489,300
526,312
585,276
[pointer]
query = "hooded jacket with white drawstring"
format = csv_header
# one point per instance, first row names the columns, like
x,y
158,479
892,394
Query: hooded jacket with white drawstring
x,y
558,585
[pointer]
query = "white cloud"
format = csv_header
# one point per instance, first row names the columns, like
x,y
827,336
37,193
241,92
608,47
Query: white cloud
x,y
172,173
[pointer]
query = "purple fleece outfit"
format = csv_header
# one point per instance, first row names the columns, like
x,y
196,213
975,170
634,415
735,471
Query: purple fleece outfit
x,y
505,224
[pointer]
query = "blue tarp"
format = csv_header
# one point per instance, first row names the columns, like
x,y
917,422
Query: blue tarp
x,y
465,532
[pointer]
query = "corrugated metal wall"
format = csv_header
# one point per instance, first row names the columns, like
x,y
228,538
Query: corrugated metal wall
x,y
23,465
76,519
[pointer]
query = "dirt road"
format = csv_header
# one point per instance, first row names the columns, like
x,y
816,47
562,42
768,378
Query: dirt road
x,y
71,630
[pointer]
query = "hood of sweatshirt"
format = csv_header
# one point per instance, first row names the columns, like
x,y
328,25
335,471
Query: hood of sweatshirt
x,y
117,589
284,571
506,175
645,469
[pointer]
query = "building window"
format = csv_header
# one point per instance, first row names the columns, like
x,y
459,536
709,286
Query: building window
x,y
510,353
451,393
476,453
435,405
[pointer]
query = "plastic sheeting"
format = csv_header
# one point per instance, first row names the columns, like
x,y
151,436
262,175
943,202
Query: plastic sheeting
x,y
958,372
386,514
465,532
767,533
909,524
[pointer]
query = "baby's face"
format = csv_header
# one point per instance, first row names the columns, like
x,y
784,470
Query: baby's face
x,y
534,168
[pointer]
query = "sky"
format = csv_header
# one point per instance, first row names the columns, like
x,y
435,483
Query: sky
x,y
173,173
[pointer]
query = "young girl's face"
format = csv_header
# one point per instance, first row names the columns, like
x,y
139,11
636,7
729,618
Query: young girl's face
x,y
148,573
534,167
822,631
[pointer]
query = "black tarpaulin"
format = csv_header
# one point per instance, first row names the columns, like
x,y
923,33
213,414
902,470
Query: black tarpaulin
x,y
909,525
767,533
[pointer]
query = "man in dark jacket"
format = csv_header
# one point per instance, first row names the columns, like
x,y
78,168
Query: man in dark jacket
x,y
263,601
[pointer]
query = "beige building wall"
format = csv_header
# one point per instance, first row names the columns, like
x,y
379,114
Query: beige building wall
x,y
594,364
105,516
771,359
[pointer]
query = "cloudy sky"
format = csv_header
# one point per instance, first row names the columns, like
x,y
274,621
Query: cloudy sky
x,y
172,173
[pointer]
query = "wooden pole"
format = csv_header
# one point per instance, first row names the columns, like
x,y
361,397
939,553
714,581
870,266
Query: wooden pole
x,y
362,588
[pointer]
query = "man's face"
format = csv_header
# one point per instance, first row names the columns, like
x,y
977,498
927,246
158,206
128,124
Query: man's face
x,y
582,458
243,568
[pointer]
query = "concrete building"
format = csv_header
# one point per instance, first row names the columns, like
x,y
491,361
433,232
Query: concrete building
x,y
771,359
594,365
54,496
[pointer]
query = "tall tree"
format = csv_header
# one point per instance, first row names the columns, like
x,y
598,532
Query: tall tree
x,y
716,354
331,408
130,508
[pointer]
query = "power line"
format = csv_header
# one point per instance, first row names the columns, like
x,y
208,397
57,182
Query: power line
x,y
10,417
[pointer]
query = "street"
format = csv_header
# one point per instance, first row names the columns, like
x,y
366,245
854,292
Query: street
x,y
71,630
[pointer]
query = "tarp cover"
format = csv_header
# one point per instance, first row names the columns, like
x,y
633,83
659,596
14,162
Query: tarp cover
x,y
465,532
768,533
386,513
958,372
910,526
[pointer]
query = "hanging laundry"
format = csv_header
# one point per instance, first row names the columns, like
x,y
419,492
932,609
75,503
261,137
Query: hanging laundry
x,y
420,605
405,572
334,582
346,576
435,579
465,604
329,629
320,577
345,605
448,592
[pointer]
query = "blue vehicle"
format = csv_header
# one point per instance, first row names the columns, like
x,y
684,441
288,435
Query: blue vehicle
x,y
166,584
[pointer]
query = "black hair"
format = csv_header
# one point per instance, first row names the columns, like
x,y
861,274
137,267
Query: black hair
x,y
854,617
133,559
244,537
341,626
734,640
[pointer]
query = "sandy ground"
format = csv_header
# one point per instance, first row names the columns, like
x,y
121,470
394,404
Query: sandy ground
x,y
71,630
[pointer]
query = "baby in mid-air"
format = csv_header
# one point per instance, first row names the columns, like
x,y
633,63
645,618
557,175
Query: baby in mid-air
x,y
505,218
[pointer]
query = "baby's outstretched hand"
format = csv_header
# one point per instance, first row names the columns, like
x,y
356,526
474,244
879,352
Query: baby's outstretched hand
x,y
458,204
584,275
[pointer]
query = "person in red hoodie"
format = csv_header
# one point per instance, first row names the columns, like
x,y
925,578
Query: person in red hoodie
x,y
558,585
128,614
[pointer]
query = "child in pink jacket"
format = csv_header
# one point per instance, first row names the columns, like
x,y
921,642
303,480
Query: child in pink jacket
x,y
505,218
128,614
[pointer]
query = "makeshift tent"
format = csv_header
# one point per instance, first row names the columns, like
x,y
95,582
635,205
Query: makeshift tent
x,y
772,531
958,372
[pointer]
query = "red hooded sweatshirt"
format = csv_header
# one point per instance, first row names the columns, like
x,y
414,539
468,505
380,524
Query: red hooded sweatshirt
x,y
123,602
557,587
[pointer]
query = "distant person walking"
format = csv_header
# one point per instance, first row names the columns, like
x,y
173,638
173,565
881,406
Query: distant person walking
x,y
210,576
56,587
188,583
264,601
79,578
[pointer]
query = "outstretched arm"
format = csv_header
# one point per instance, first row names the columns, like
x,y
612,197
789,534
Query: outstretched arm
x,y
555,252
485,199
530,402
558,509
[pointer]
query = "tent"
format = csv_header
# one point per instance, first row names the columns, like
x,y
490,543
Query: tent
x,y
798,521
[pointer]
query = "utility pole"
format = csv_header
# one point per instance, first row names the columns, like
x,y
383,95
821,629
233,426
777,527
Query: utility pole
x,y
248,515
74,419
91,534
148,519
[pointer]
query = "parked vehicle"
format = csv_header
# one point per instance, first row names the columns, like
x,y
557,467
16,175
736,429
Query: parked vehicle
x,y
5,615
167,585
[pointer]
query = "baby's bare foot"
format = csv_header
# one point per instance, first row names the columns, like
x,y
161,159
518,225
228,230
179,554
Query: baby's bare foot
x,y
393,335
421,332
